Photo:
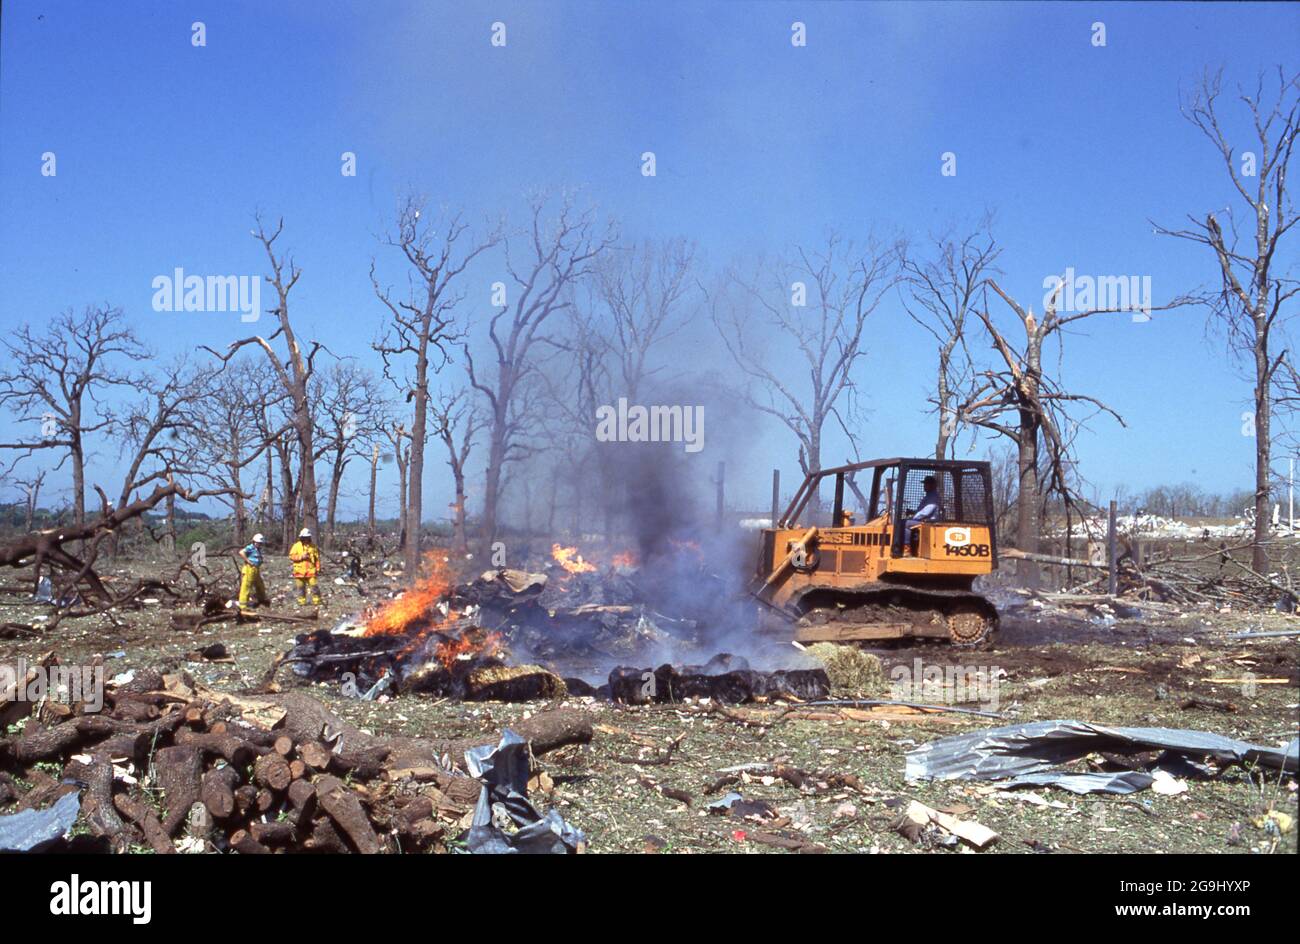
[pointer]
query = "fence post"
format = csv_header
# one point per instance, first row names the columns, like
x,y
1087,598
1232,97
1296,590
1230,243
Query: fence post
x,y
1111,553
722,473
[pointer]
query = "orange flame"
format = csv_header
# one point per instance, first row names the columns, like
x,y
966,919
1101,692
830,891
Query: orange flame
x,y
471,643
416,613
571,560
626,560
396,616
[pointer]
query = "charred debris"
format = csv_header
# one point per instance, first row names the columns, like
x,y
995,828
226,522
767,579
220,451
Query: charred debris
x,y
575,629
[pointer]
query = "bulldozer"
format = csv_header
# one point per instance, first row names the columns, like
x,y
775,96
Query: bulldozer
x,y
887,575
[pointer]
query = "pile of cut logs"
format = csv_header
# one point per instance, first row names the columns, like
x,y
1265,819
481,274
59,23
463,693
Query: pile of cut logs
x,y
177,768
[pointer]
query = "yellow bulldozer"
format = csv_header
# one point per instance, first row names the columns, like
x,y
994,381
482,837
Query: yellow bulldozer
x,y
904,569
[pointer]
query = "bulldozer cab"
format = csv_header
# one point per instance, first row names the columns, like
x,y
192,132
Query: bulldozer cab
x,y
965,501
881,498
864,567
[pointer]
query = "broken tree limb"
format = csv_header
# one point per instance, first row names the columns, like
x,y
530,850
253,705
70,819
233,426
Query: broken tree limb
x,y
1012,553
872,702
343,807
1268,580
180,776
306,719
97,804
143,817
47,546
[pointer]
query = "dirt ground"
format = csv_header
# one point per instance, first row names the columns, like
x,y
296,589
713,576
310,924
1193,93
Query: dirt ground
x,y
1084,667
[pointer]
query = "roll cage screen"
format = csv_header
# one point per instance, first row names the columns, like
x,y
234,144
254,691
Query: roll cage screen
x,y
897,486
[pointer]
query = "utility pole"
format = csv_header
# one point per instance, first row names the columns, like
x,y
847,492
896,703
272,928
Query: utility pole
x,y
776,495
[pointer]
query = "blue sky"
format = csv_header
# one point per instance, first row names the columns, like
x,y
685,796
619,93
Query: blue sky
x,y
165,151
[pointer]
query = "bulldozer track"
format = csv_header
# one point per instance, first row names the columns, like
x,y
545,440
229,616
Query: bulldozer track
x,y
961,618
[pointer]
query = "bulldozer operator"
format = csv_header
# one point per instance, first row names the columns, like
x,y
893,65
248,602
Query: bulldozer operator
x,y
930,509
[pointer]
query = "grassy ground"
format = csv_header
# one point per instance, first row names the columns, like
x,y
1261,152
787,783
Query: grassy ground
x,y
1127,672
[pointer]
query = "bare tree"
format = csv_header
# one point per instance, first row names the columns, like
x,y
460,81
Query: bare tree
x,y
233,438
160,433
31,496
1017,399
438,250
374,480
558,254
944,286
1249,304
644,289
286,451
400,439
815,304
456,422
55,381
350,410
294,372
567,390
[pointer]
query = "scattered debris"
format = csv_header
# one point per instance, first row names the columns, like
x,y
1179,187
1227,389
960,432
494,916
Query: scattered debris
x,y
734,804
1210,704
1279,821
788,840
1031,753
36,830
918,817
1129,781
882,703
504,771
672,793
1165,784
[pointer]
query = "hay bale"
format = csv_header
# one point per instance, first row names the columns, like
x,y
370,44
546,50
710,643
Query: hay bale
x,y
513,683
849,669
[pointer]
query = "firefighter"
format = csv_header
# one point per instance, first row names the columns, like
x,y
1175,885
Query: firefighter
x,y
251,574
306,565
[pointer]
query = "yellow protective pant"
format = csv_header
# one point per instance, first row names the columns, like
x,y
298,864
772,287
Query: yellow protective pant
x,y
303,583
251,583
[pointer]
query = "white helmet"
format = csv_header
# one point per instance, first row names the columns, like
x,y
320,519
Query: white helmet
x,y
258,538
305,533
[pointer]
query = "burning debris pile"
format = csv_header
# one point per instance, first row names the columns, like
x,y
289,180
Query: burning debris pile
x,y
512,635
262,775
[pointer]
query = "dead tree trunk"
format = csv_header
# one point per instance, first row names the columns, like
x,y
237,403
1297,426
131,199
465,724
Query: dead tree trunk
x,y
1253,301
421,325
